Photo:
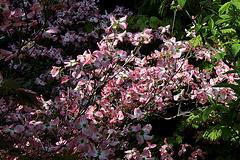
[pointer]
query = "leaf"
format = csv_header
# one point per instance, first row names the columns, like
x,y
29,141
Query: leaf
x,y
228,30
236,4
224,8
143,20
235,49
229,118
232,71
206,113
226,133
238,64
173,7
211,100
214,133
195,126
179,139
222,108
211,23
181,2
225,16
154,19
200,19
213,31
196,41
237,80
220,55
203,3
207,18
197,28
236,88
222,21
143,26
153,26
236,127
154,22
199,137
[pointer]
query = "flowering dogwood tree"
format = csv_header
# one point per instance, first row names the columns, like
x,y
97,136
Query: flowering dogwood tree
x,y
105,95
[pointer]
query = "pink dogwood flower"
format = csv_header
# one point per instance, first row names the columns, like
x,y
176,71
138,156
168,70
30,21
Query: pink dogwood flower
x,y
40,82
131,153
143,134
55,71
183,150
165,155
138,114
86,58
82,124
115,23
150,146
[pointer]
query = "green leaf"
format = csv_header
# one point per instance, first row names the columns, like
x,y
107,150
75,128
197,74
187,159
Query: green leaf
x,y
220,55
179,139
228,30
153,26
203,3
225,16
181,2
200,19
172,7
229,118
237,80
235,49
154,19
236,4
143,20
197,28
232,71
197,40
222,108
236,88
224,8
143,26
154,22
226,133
211,100
207,18
222,21
214,133
195,126
211,23
206,113
238,64
214,31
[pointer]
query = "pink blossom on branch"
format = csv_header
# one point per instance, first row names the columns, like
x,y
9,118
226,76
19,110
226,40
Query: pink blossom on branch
x,y
143,134
165,155
117,23
55,71
138,114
